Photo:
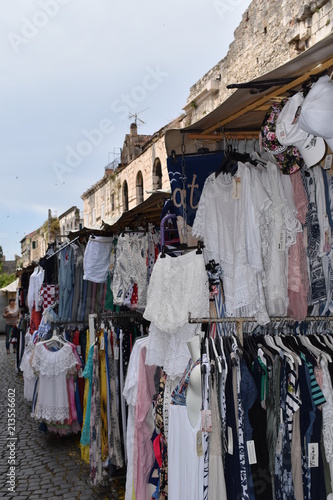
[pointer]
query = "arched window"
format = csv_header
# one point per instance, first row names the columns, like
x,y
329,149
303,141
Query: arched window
x,y
125,196
157,174
139,187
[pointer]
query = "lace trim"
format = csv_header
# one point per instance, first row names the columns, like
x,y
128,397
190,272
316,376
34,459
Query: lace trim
x,y
169,351
177,286
51,413
51,363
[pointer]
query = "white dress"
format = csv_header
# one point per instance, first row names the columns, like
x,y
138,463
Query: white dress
x,y
185,467
53,366
230,229
278,234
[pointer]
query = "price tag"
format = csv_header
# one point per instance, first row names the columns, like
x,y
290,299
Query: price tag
x,y
80,373
282,241
305,237
328,162
78,348
281,130
102,343
236,188
116,352
230,442
251,452
278,449
313,454
206,420
199,444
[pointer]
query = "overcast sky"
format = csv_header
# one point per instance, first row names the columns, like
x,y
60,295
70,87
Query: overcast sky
x,y
72,71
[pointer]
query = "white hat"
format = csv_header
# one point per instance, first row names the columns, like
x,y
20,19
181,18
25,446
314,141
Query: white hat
x,y
289,133
317,110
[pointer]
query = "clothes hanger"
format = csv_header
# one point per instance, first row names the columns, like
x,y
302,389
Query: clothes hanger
x,y
55,338
216,355
269,341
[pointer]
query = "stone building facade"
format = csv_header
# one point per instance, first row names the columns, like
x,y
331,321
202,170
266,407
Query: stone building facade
x,y
124,187
70,220
270,34
33,247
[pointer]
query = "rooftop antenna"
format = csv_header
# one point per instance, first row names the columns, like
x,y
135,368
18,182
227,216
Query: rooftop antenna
x,y
136,118
116,158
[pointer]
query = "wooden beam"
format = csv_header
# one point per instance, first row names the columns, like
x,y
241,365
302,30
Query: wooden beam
x,y
277,92
227,135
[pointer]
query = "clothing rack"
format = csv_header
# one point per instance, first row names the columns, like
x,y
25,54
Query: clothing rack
x,y
239,321
64,246
120,314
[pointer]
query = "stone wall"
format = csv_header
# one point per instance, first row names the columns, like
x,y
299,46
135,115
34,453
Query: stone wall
x,y
270,34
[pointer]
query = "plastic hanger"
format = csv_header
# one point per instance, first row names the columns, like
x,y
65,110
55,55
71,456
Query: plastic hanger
x,y
55,338
217,357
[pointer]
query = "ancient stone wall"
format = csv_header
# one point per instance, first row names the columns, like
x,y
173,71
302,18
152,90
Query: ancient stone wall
x,y
270,34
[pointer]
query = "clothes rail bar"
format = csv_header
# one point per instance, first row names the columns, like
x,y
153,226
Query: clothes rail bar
x,y
64,246
239,321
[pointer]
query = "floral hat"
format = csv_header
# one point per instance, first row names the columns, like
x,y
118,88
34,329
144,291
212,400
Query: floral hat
x,y
288,158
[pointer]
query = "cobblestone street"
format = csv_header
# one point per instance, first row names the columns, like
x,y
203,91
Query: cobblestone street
x,y
46,466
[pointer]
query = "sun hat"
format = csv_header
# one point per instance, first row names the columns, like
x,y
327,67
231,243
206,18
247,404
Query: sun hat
x,y
316,116
289,133
287,157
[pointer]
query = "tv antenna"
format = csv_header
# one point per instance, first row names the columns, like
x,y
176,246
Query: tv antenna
x,y
136,118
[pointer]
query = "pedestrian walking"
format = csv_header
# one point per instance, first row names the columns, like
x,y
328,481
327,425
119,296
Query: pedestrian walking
x,y
11,314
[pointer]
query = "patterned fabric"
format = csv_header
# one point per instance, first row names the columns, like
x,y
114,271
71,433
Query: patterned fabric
x,y
205,435
287,157
159,422
95,430
293,401
178,395
317,395
283,475
115,449
103,402
50,294
317,292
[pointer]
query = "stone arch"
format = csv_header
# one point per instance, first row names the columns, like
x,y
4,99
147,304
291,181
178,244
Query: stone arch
x,y
139,187
157,174
125,196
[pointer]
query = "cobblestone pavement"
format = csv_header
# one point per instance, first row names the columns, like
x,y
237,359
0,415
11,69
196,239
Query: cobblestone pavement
x,y
44,465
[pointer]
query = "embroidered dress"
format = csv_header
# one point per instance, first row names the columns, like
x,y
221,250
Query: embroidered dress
x,y
52,367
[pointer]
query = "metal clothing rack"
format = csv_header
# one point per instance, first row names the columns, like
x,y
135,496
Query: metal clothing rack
x,y
64,246
239,321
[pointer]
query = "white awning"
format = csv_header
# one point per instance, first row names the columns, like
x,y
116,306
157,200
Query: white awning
x,y
12,287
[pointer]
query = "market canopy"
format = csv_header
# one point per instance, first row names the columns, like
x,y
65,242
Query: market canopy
x,y
242,114
147,212
11,288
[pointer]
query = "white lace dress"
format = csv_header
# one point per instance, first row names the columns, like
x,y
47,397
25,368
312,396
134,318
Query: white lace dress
x,y
278,233
52,367
230,229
